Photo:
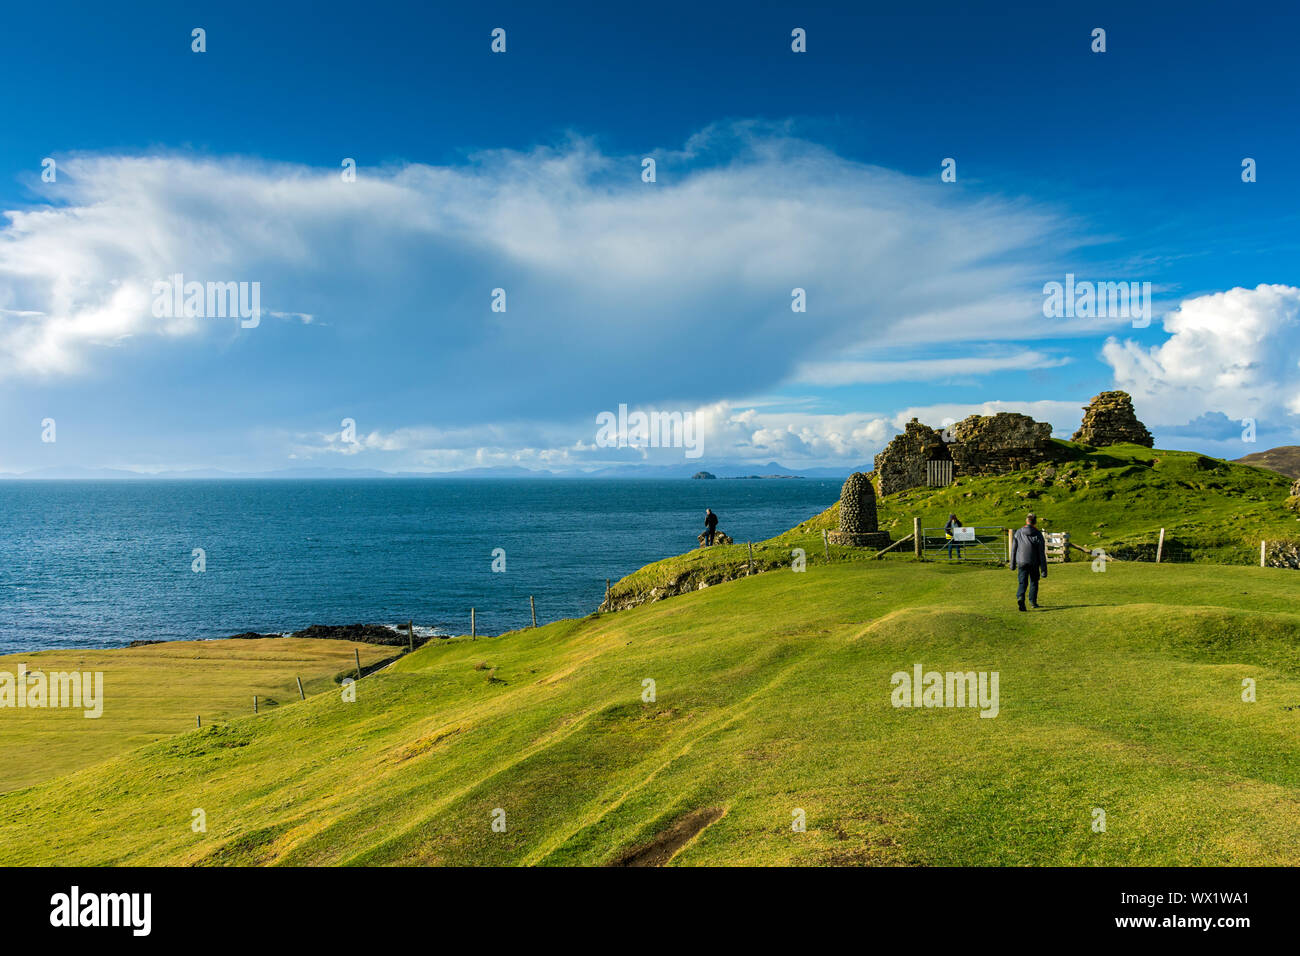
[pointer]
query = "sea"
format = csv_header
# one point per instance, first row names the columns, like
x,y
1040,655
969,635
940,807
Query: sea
x,y
103,563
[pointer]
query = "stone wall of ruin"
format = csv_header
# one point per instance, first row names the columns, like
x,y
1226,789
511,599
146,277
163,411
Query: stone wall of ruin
x,y
997,444
901,464
978,445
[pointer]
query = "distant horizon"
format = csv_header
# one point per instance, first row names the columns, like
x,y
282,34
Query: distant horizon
x,y
631,471
719,471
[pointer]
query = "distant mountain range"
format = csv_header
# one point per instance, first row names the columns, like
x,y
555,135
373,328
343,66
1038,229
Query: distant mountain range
x,y
1285,460
686,470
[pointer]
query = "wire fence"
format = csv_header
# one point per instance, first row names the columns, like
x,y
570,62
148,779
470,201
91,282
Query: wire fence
x,y
989,545
1172,553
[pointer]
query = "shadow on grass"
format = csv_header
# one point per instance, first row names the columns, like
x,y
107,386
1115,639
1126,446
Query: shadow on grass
x,y
1068,607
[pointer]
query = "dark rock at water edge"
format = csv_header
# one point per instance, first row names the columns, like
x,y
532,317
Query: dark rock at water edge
x,y
719,537
366,633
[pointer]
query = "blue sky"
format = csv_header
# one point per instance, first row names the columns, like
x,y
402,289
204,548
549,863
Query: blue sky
x,y
522,170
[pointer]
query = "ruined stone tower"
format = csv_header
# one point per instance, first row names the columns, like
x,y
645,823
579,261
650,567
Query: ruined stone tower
x,y
1109,419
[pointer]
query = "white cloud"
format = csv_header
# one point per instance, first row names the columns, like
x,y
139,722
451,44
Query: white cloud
x,y
872,371
742,433
674,294
747,433
603,271
1235,352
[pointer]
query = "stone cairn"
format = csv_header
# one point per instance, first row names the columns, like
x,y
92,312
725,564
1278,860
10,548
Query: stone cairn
x,y
858,527
1109,419
719,537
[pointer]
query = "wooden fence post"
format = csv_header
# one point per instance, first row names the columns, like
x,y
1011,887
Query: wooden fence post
x,y
1262,542
917,541
1011,542
473,625
254,703
826,545
751,558
198,721
532,604
357,652
301,695
410,635
1160,547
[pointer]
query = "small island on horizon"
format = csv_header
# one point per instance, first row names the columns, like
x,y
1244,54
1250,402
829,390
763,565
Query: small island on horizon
x,y
707,475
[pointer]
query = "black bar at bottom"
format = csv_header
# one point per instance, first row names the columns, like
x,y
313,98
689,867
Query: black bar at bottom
x,y
297,906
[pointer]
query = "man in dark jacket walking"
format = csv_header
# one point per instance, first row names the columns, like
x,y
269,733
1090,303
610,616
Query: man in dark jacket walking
x,y
710,525
1029,558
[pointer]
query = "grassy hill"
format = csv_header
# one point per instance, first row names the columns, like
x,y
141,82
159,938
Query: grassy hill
x,y
1116,498
773,695
156,690
1285,460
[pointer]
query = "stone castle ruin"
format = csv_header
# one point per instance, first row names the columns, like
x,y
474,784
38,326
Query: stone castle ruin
x,y
858,524
997,444
1109,419
977,445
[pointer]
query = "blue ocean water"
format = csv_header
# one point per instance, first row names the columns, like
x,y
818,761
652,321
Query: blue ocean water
x,y
102,563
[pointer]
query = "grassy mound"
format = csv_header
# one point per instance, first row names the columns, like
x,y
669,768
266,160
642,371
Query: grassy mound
x,y
772,696
1116,498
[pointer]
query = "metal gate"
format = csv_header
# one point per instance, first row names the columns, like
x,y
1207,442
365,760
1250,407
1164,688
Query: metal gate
x,y
990,545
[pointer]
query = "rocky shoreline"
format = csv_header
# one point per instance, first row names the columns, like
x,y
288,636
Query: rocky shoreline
x,y
380,634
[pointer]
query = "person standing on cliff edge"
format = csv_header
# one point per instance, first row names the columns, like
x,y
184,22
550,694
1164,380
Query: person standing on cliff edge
x,y
710,525
1029,558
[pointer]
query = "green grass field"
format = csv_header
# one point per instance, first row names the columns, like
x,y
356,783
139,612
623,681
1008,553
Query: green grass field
x,y
1115,498
156,690
773,695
